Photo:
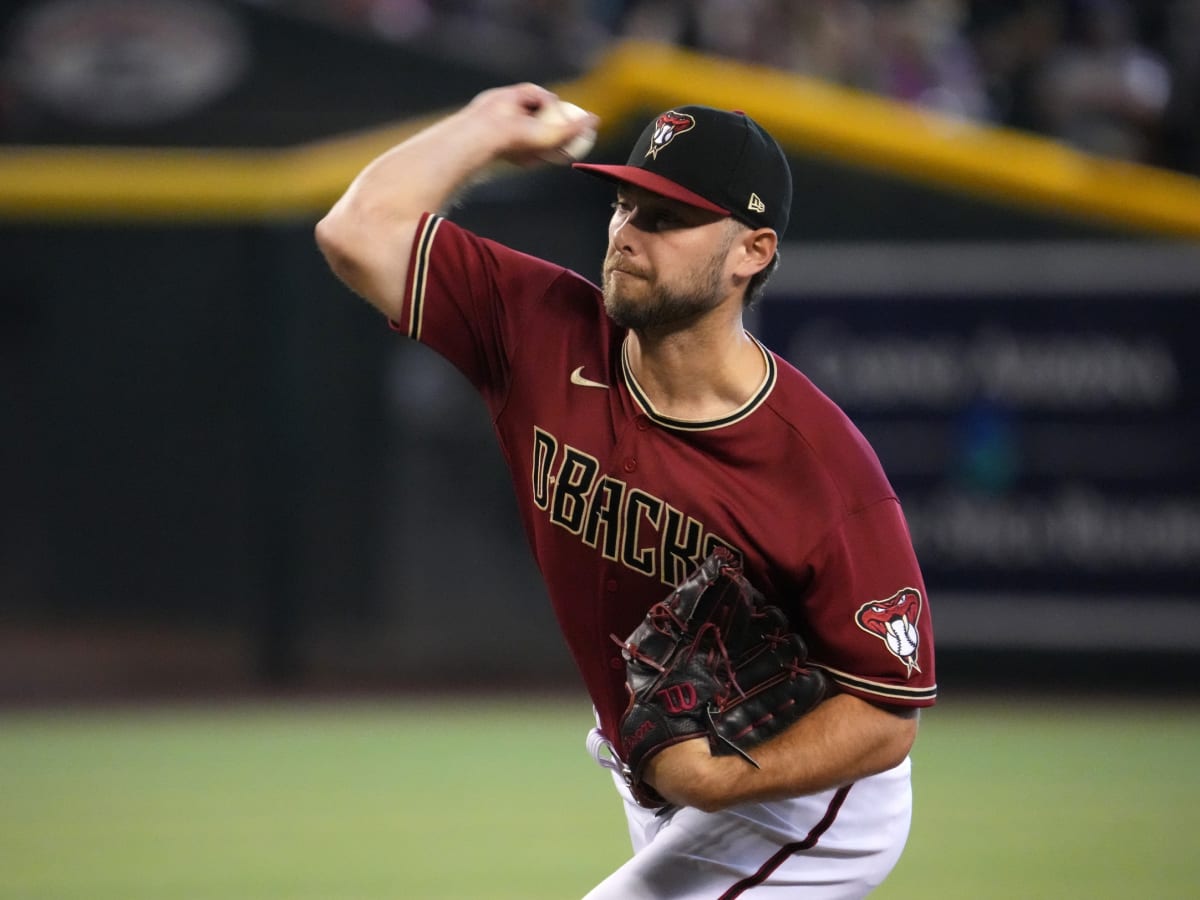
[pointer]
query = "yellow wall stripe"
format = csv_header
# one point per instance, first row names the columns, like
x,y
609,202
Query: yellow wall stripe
x,y
808,116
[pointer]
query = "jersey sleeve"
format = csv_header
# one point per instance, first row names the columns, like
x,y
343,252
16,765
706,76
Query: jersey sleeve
x,y
467,298
871,626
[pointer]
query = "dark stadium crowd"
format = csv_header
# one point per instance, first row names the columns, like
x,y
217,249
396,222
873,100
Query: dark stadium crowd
x,y
1113,77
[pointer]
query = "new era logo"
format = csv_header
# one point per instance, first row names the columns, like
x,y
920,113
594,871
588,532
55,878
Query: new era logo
x,y
756,204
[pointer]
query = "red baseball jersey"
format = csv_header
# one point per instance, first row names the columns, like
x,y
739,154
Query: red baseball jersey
x,y
620,502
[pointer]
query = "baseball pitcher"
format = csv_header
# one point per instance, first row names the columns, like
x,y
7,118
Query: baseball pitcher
x,y
728,563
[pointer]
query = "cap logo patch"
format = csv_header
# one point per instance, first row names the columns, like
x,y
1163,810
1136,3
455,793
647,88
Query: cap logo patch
x,y
756,205
666,127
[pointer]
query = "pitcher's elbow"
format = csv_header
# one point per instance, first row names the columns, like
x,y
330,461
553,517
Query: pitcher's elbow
x,y
341,255
331,241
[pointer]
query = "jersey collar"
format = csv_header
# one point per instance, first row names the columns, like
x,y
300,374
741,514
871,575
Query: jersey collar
x,y
760,395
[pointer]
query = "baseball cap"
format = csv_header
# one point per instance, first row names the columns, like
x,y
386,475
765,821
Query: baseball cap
x,y
721,161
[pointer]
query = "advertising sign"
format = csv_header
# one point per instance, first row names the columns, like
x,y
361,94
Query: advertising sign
x,y
1040,424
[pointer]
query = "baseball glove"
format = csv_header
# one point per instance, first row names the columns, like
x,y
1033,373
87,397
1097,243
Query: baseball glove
x,y
713,659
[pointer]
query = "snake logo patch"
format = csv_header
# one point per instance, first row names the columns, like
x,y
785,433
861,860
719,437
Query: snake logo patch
x,y
666,128
894,621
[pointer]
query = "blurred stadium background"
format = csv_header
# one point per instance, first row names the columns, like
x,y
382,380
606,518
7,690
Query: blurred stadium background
x,y
223,481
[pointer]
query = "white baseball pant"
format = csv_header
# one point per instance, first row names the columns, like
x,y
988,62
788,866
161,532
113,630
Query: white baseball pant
x,y
836,845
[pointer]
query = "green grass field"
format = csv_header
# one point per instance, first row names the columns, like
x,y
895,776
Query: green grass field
x,y
373,800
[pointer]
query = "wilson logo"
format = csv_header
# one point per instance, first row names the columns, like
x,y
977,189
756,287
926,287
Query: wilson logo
x,y
679,698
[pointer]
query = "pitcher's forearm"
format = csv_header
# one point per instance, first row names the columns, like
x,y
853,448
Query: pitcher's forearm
x,y
842,740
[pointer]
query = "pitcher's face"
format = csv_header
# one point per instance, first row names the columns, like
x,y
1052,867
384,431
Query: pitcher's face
x,y
667,262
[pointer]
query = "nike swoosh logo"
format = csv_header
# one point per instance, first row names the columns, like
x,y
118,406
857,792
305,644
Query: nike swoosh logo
x,y
577,378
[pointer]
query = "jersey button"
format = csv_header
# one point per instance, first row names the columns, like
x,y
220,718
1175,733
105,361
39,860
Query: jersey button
x,y
617,663
611,585
630,464
643,423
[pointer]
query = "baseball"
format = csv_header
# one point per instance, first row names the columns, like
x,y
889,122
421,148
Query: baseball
x,y
560,113
901,638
